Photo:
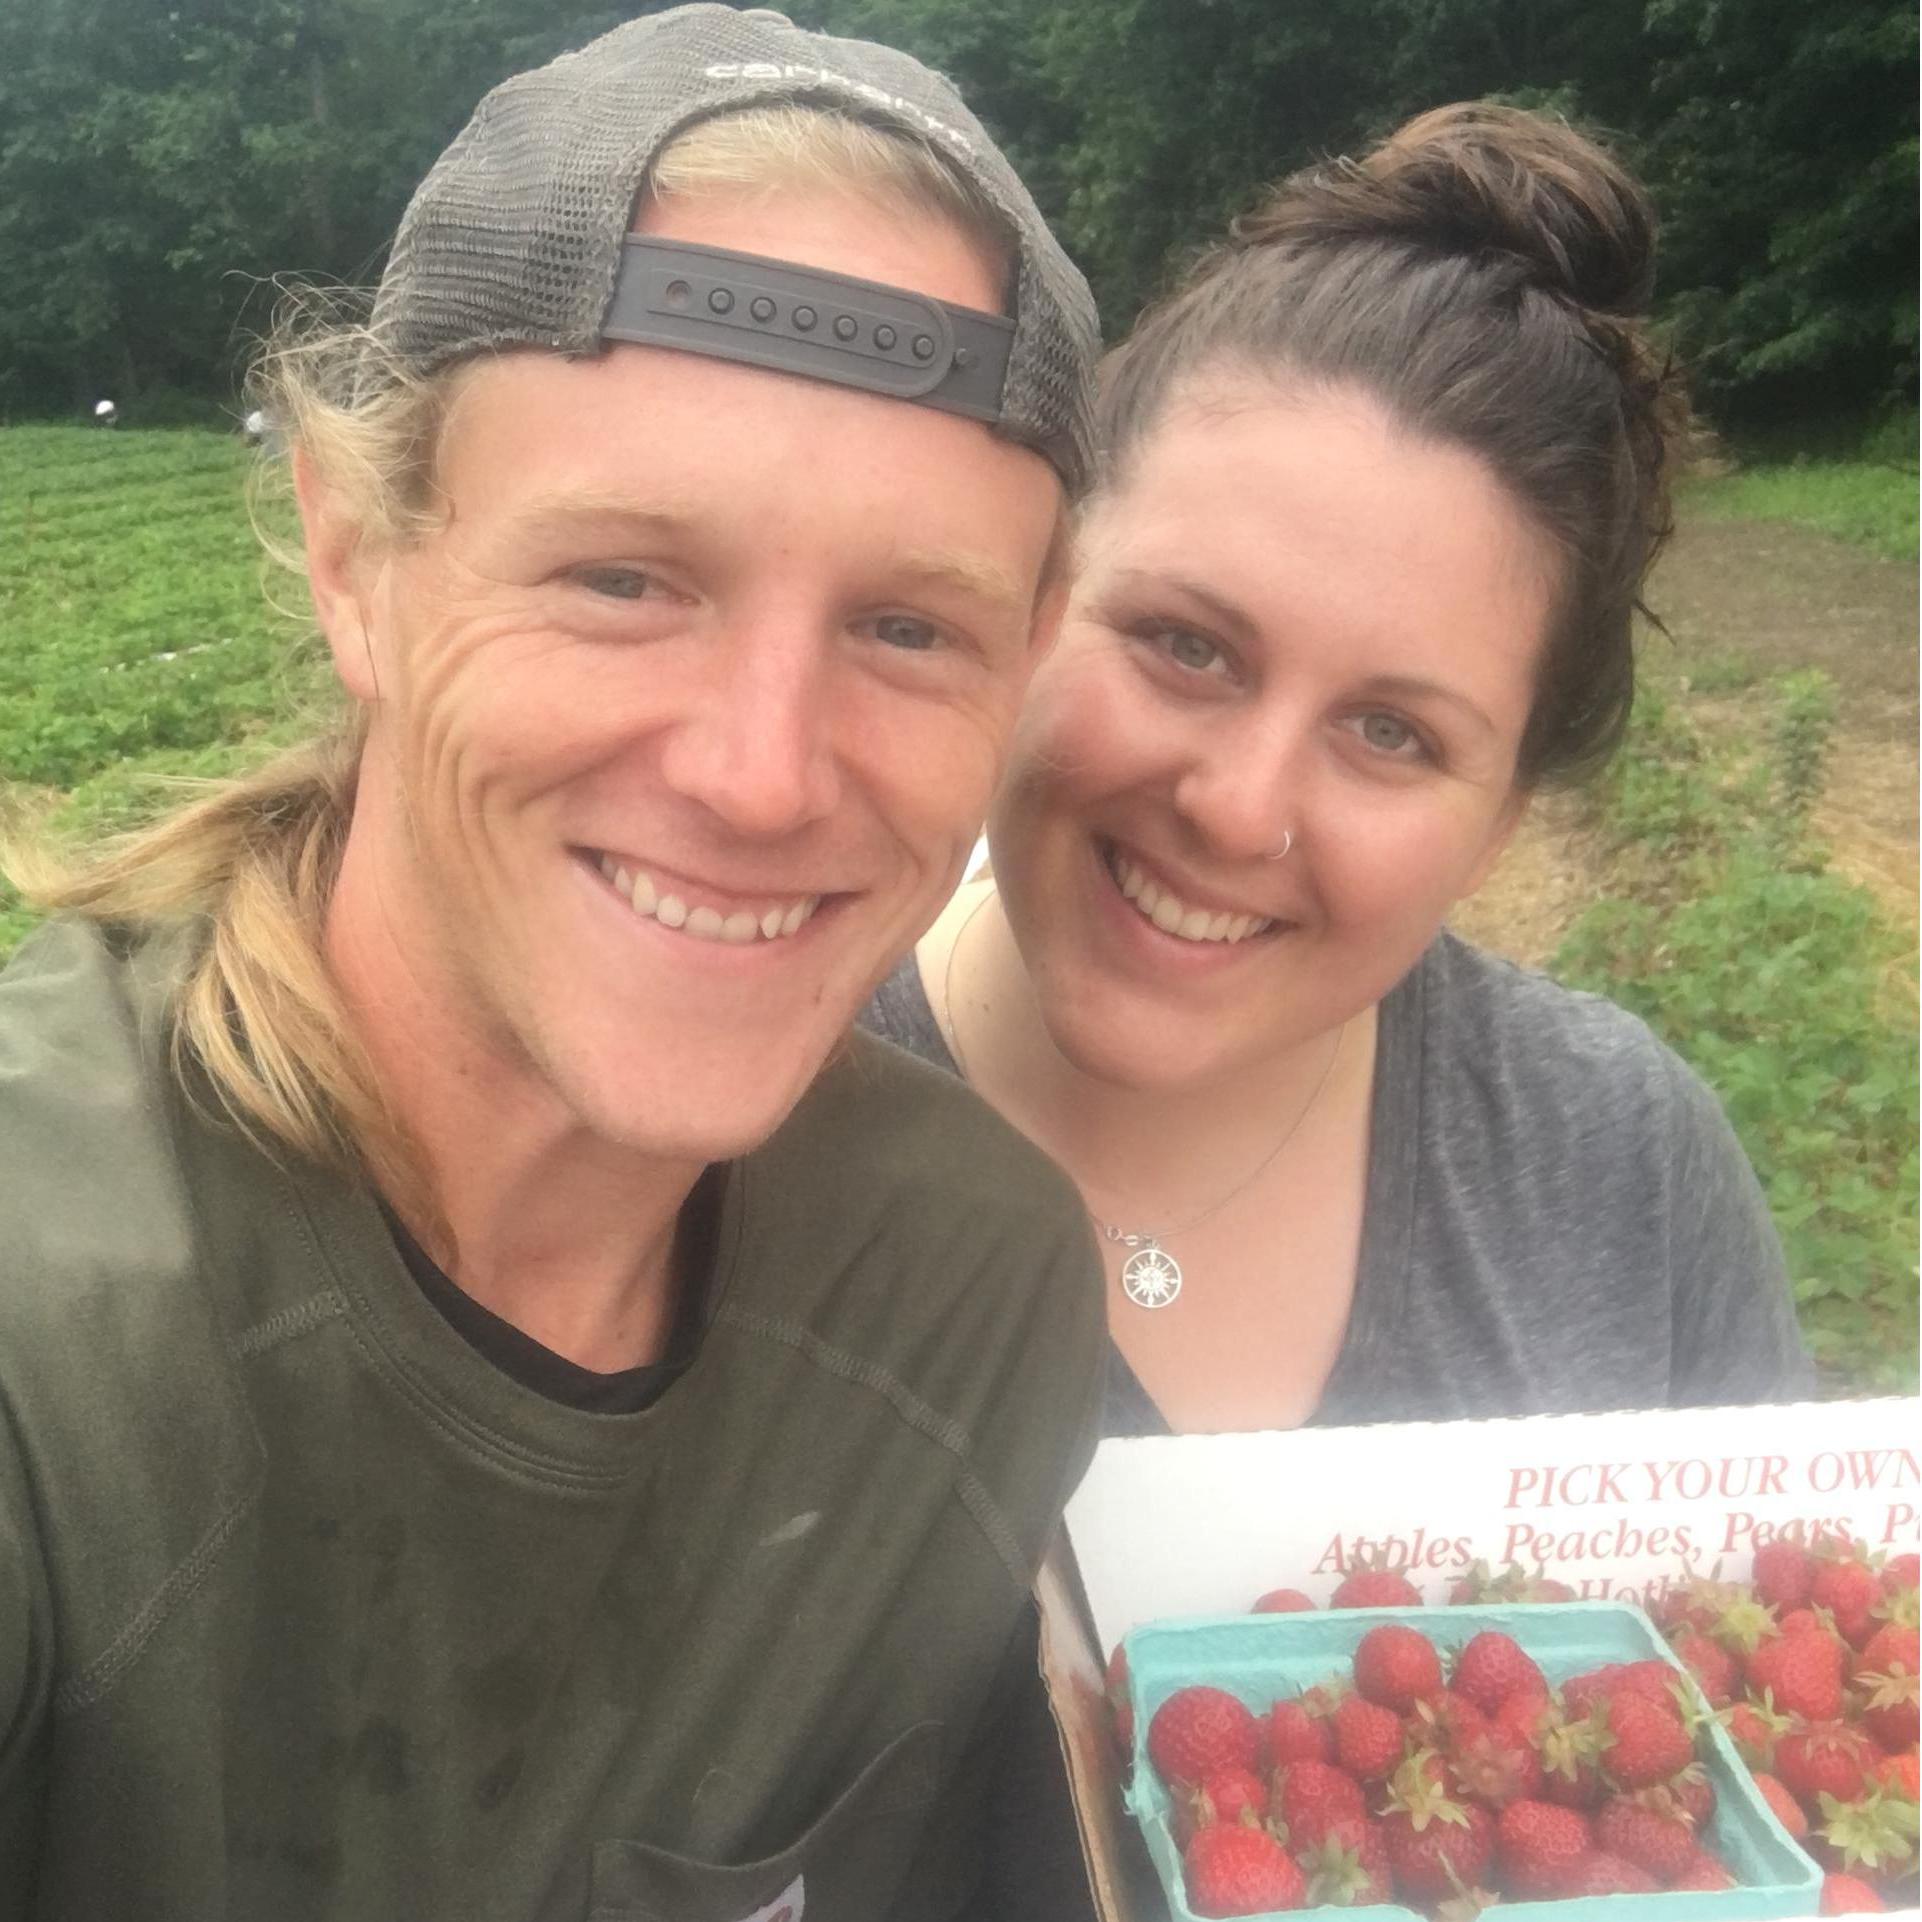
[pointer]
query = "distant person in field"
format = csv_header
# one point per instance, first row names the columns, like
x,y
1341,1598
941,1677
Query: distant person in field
x,y
1382,482
508,1409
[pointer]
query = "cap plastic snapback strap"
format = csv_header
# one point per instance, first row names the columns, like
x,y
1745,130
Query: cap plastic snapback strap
x,y
803,320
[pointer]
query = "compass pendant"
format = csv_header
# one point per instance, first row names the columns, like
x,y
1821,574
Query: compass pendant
x,y
1151,1277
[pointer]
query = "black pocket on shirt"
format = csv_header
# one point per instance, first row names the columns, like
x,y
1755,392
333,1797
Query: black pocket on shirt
x,y
850,1866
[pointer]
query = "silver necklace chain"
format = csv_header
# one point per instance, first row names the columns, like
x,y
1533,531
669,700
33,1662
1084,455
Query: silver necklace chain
x,y
1150,1277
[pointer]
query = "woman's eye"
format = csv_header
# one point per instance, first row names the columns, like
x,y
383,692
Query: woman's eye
x,y
1188,650
908,632
1390,734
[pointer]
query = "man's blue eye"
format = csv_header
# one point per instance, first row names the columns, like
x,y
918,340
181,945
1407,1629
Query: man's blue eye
x,y
616,583
904,631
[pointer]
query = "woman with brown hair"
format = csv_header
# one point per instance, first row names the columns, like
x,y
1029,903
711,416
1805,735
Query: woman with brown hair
x,y
1384,477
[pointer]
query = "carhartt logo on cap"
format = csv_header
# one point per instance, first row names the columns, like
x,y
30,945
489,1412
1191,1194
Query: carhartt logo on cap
x,y
864,89
786,1907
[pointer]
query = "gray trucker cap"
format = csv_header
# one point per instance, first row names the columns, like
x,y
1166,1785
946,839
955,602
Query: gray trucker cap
x,y
519,234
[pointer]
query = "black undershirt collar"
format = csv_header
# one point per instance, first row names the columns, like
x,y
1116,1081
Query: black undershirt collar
x,y
519,1356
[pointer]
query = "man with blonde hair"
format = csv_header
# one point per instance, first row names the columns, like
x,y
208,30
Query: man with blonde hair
x,y
507,1408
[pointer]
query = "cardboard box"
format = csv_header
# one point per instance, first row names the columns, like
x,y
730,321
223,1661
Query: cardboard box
x,y
1618,1505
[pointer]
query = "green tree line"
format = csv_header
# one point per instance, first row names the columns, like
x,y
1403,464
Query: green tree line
x,y
162,162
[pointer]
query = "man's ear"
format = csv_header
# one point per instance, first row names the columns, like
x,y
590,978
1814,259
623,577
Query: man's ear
x,y
1514,812
337,578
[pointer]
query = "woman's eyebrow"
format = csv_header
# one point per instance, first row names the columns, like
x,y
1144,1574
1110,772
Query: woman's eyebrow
x,y
1411,687
1226,613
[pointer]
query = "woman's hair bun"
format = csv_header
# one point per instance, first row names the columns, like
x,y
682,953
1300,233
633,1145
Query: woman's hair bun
x,y
1475,178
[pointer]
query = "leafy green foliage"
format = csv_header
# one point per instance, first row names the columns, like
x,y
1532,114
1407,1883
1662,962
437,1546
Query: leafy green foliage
x,y
1781,984
161,164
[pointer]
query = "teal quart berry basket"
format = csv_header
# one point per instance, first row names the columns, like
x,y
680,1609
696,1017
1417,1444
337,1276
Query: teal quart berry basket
x,y
1263,1659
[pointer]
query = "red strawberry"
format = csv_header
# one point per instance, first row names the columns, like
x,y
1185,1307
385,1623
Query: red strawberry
x,y
1696,1603
1782,1574
1783,1806
1905,1571
1823,1758
1436,1845
1281,1601
1539,1845
1654,1680
1310,1797
1572,1749
1799,1675
1374,1587
1650,1743
1199,1731
1600,1873
1704,1870
1396,1667
1297,1734
1491,1769
1441,1720
1849,1895
1491,1667
1890,1708
1895,1645
1581,1693
1691,1793
1513,1584
1369,1739
1652,1839
1713,1667
1886,1677
1349,1867
1849,1589
1522,1716
1231,1795
1901,1775
1450,1850
1754,1731
1232,1870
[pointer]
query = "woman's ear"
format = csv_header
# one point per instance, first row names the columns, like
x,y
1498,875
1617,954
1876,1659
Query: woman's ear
x,y
337,579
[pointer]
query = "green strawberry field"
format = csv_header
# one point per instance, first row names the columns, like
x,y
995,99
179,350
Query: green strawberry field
x,y
1714,881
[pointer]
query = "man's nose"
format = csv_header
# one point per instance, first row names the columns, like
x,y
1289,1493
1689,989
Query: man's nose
x,y
756,748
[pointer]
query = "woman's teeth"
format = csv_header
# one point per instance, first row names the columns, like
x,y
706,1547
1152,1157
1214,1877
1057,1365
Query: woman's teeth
x,y
707,924
1174,916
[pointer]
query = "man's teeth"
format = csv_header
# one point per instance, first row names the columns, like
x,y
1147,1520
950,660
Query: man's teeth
x,y
1174,916
707,924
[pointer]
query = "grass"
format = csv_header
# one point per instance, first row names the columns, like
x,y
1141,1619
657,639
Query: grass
x,y
139,639
1787,990
1853,480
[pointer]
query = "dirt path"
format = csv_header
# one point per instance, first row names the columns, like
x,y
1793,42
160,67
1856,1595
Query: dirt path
x,y
1745,600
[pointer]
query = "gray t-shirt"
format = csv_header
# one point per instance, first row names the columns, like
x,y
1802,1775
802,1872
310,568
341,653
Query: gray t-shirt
x,y
1558,1216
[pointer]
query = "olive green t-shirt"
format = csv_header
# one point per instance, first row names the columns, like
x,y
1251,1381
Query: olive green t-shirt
x,y
307,1610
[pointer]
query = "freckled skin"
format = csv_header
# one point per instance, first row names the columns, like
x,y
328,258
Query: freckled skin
x,y
714,690
1352,556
